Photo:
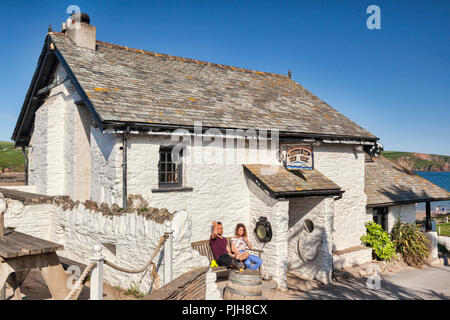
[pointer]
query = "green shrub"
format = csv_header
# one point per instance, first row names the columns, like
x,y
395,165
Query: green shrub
x,y
379,241
411,243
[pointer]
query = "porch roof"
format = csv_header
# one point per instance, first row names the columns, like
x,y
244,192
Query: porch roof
x,y
387,183
282,183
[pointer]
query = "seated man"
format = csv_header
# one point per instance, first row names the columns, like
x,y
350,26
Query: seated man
x,y
220,249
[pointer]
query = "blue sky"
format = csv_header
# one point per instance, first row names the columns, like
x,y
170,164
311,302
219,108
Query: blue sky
x,y
394,82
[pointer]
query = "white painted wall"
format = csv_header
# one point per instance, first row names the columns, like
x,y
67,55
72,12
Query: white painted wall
x,y
406,213
345,166
275,255
57,144
106,170
133,237
316,244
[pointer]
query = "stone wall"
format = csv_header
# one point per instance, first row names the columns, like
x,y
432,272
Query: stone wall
x,y
275,255
310,253
127,238
55,141
345,165
219,191
406,213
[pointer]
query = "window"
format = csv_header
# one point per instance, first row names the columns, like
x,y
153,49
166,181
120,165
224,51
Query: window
x,y
170,173
380,216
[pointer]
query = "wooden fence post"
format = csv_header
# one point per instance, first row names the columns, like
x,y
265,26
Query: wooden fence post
x,y
168,253
97,274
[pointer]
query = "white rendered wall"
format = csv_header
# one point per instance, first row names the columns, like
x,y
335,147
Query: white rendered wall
x,y
132,236
219,189
56,145
320,212
406,213
106,169
37,152
275,255
35,220
82,154
345,166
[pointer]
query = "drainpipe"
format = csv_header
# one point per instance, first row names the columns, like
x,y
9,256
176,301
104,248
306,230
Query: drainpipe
x,y
124,166
26,164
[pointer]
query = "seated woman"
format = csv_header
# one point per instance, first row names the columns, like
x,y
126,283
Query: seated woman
x,y
238,245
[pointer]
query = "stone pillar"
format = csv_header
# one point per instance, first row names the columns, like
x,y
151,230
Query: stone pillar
x,y
433,236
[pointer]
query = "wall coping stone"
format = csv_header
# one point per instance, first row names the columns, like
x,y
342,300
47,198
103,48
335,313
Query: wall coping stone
x,y
27,198
350,249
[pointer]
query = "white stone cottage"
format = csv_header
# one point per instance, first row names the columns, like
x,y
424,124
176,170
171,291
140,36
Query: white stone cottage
x,y
98,120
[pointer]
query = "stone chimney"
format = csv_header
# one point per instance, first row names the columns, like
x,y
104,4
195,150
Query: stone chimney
x,y
79,30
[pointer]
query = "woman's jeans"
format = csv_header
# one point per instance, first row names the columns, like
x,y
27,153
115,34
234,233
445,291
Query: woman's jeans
x,y
252,262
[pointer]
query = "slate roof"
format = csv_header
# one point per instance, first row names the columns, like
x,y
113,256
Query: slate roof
x,y
129,85
280,182
387,183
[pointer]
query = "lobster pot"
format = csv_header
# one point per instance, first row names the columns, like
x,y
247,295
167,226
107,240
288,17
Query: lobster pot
x,y
244,285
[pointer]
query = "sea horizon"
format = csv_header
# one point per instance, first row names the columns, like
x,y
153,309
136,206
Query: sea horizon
x,y
440,178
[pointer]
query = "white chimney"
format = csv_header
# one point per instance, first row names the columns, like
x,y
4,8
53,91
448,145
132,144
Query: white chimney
x,y
79,30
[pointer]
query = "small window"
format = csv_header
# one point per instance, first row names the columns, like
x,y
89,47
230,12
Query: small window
x,y
170,173
380,216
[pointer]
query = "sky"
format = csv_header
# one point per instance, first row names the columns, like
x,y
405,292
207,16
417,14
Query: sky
x,y
393,81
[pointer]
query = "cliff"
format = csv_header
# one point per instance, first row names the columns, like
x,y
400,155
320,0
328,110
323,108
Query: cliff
x,y
419,161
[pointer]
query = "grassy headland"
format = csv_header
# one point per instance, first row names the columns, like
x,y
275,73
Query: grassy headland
x,y
11,158
419,161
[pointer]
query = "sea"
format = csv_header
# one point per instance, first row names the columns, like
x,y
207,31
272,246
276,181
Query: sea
x,y
440,178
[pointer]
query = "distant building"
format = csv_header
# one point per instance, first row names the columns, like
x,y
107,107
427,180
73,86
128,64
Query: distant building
x,y
393,191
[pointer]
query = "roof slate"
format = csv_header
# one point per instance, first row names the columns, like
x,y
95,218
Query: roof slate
x,y
130,85
278,179
388,183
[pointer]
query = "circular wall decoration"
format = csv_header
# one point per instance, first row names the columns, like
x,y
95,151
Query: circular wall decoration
x,y
263,230
309,242
309,225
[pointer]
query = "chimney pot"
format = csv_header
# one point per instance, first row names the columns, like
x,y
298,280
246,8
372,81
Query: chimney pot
x,y
79,30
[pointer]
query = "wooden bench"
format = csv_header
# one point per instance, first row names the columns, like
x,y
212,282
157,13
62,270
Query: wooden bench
x,y
204,249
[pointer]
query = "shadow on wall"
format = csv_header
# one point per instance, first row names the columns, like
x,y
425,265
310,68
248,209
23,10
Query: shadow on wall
x,y
310,246
105,142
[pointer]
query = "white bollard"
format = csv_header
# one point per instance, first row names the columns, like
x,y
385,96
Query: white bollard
x,y
168,253
97,274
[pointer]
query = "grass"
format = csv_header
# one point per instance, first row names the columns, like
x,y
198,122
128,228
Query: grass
x,y
134,291
11,158
445,229
395,154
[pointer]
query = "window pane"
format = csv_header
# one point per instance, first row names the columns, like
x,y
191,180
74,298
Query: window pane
x,y
162,177
169,157
162,156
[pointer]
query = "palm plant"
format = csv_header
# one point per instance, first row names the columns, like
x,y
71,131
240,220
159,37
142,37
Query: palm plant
x,y
411,243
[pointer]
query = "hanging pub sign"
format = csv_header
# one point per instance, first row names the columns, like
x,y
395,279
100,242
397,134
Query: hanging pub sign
x,y
297,157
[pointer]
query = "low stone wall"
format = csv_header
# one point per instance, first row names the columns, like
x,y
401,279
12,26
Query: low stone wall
x,y
350,257
128,238
445,241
